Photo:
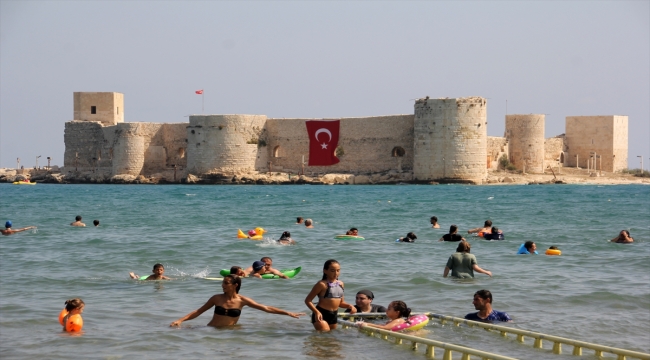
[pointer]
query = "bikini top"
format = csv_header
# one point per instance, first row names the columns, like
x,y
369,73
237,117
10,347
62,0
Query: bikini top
x,y
334,290
220,310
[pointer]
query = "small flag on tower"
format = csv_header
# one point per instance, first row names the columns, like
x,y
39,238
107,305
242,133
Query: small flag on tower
x,y
199,92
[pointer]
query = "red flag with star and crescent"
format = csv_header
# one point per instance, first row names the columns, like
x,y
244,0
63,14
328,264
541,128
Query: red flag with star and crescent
x,y
323,140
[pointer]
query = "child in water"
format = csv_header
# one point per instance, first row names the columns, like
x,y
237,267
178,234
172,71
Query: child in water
x,y
70,317
330,298
410,237
158,271
397,312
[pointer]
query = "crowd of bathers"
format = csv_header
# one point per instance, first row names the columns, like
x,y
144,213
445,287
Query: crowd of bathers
x,y
329,290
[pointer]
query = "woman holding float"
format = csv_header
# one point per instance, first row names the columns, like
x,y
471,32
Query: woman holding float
x,y
228,306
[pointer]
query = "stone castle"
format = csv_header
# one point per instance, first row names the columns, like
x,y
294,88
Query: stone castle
x,y
443,140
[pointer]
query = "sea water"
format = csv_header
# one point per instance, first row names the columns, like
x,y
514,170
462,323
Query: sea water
x,y
595,291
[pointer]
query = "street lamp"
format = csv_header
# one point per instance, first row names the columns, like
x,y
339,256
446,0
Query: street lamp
x,y
37,161
17,163
48,162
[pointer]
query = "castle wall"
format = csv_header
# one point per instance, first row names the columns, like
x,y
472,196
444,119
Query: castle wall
x,y
554,151
450,139
607,136
108,107
83,145
369,145
525,135
225,143
496,147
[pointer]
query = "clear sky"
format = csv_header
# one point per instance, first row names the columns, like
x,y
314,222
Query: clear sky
x,y
319,60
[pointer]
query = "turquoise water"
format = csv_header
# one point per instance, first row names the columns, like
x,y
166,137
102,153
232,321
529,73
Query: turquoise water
x,y
596,291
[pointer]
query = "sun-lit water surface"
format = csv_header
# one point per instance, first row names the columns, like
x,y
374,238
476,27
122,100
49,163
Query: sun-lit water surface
x,y
596,291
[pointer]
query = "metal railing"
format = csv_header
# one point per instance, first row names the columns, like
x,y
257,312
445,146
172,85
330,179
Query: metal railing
x,y
431,345
539,338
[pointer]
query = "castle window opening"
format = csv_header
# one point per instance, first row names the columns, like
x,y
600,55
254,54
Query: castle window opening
x,y
398,151
181,152
93,109
276,151
562,158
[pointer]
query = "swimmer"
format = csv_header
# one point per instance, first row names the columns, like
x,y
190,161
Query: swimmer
x,y
228,305
463,264
286,239
397,312
72,307
487,228
299,220
96,222
236,270
330,298
434,222
528,248
308,224
354,232
9,231
495,234
623,238
363,303
483,303
158,271
77,221
453,235
264,266
410,237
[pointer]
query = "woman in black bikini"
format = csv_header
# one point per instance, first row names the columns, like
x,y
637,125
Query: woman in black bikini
x,y
227,306
330,298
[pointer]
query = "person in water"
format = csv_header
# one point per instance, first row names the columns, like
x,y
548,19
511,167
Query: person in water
x,y
353,232
463,264
266,264
158,271
363,303
77,221
528,248
623,238
434,222
286,239
495,234
309,224
486,229
9,231
397,313
237,270
410,237
299,220
228,306
96,222
453,235
72,307
483,303
330,298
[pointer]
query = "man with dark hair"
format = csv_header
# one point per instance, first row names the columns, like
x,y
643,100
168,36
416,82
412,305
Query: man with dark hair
x,y
267,264
434,222
77,221
487,228
452,236
364,303
483,303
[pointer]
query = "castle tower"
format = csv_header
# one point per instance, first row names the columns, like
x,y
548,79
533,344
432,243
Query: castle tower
x,y
607,136
105,107
525,136
450,139
129,149
224,142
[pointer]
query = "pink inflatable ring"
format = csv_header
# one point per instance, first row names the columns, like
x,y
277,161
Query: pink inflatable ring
x,y
415,322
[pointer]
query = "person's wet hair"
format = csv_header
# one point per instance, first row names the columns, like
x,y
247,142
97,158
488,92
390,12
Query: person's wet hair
x,y
401,308
626,232
484,294
488,223
299,219
411,236
453,229
553,248
235,270
96,222
78,218
463,246
528,245
266,258
326,266
234,279
434,219
158,266
285,235
73,304
495,230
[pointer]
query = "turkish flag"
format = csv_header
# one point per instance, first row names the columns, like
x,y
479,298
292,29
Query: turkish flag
x,y
199,92
323,140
